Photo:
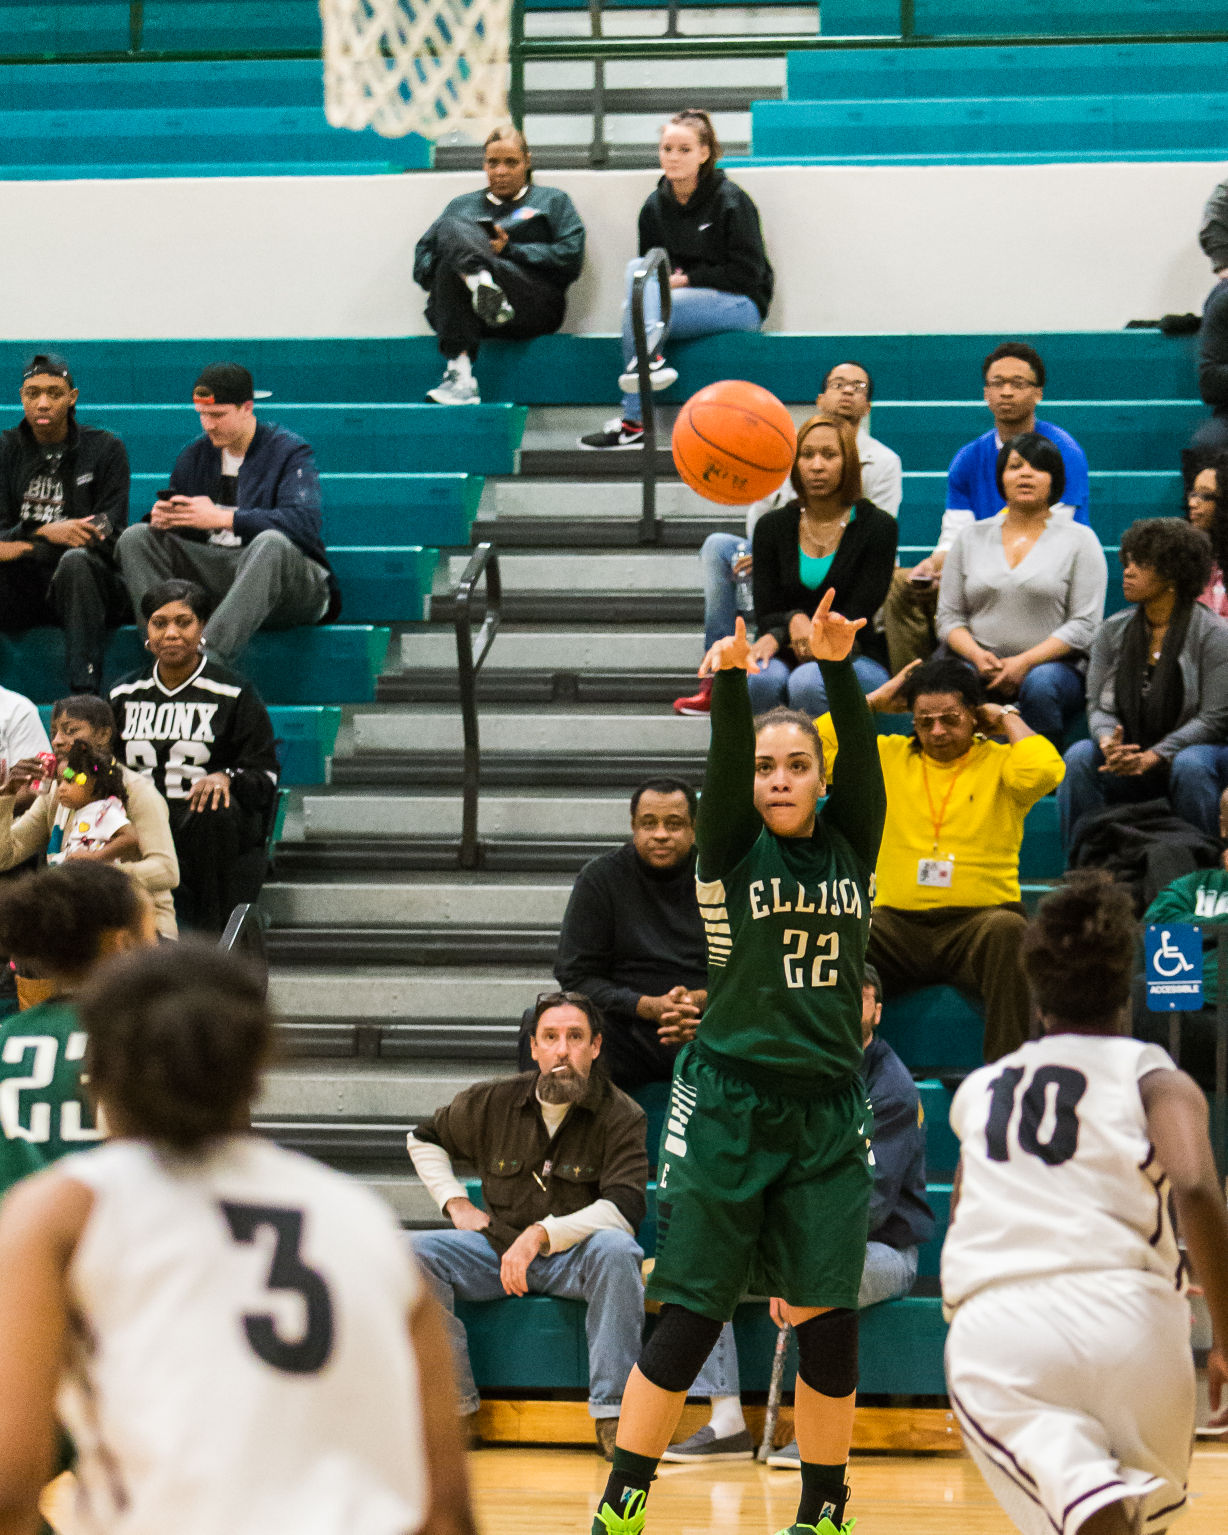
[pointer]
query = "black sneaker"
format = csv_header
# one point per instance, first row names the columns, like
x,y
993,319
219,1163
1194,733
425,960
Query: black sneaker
x,y
615,434
704,1445
490,304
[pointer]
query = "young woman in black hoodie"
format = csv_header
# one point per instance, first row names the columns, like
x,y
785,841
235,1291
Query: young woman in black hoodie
x,y
721,279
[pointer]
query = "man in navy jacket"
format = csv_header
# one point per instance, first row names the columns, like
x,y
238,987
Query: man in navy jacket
x,y
242,519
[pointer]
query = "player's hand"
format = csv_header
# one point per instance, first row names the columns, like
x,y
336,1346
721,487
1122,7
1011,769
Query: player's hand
x,y
885,700
732,653
465,1215
778,1310
212,792
831,634
1217,1379
514,1269
71,532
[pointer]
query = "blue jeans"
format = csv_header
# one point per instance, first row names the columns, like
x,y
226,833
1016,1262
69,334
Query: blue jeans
x,y
720,595
1050,697
693,312
801,687
1195,779
603,1270
889,1272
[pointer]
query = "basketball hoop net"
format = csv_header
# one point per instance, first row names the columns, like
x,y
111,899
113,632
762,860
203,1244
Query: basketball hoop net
x,y
416,66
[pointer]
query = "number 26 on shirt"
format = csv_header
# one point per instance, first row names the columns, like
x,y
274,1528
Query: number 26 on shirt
x,y
822,965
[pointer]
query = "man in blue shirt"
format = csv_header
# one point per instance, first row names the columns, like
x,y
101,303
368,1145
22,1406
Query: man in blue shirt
x,y
900,1222
240,517
1014,382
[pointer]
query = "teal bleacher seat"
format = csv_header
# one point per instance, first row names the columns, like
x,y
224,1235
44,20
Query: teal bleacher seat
x,y
385,585
934,1029
941,1147
231,26
306,735
1026,18
938,1196
1072,69
475,439
1010,127
372,510
29,28
1118,365
653,1098
901,1344
198,83
1041,855
334,663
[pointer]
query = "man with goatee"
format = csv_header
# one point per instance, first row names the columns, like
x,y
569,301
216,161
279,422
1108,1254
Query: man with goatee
x,y
560,1152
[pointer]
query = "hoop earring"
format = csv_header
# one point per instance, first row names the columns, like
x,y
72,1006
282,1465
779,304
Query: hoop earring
x,y
148,646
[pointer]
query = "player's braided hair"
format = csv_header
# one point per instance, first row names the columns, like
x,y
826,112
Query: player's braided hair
x,y
783,716
1078,950
54,919
177,1039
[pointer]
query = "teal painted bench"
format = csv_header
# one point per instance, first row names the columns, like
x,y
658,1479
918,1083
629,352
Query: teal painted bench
x,y
192,83
372,439
229,25
385,585
326,665
373,510
31,27
1049,126
941,1147
306,735
1026,18
934,1028
1072,69
563,369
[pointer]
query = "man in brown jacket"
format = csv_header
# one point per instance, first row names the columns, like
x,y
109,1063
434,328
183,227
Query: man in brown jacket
x,y
560,1152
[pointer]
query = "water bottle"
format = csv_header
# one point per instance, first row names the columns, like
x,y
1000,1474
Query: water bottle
x,y
743,585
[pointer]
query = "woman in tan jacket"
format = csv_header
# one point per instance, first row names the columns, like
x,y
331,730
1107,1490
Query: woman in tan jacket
x,y
85,718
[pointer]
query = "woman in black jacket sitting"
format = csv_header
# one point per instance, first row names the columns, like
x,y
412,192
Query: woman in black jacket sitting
x,y
721,277
202,735
830,538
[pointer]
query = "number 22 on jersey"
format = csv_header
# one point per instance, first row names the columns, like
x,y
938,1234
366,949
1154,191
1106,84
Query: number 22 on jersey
x,y
826,956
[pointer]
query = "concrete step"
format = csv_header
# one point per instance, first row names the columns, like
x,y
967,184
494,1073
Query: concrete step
x,y
595,571
493,994
505,730
604,650
527,814
398,903
360,1090
406,1196
580,500
423,944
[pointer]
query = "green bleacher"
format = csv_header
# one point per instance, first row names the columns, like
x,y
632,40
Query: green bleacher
x,y
1026,18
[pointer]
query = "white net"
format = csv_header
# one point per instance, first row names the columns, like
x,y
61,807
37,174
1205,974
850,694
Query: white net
x,y
416,66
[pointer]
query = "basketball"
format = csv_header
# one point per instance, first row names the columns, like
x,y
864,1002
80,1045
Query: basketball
x,y
734,442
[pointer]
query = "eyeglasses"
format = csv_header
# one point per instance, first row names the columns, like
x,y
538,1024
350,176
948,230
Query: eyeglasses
x,y
848,385
1011,383
928,721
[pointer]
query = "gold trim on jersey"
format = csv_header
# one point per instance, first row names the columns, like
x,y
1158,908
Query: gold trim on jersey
x,y
711,897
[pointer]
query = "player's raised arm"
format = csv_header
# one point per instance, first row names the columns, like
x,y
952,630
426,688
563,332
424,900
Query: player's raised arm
x,y
728,822
1177,1124
859,807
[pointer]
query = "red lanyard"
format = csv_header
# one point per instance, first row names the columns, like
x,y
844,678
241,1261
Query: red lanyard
x,y
937,819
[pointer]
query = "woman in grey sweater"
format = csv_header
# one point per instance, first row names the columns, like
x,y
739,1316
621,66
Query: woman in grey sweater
x,y
1157,687
1022,593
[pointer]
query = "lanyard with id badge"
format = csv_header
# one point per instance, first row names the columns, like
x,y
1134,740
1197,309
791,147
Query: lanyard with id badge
x,y
937,872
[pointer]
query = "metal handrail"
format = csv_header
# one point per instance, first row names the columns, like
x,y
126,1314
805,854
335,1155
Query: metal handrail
x,y
244,935
654,264
483,562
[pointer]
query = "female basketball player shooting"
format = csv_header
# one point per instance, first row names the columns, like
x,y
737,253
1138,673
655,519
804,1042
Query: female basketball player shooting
x,y
1068,1358
231,1334
763,1180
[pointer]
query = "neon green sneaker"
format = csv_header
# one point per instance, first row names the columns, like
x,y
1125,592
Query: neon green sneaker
x,y
629,1522
824,1527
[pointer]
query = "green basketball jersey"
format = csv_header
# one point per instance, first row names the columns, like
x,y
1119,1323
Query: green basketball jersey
x,y
43,1111
787,931
787,918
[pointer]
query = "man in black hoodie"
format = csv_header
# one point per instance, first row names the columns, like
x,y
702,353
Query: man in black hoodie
x,y
64,488
633,941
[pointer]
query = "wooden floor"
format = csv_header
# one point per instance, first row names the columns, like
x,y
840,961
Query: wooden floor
x,y
528,1491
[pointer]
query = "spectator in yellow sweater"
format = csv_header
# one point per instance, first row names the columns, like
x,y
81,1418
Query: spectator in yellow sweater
x,y
947,908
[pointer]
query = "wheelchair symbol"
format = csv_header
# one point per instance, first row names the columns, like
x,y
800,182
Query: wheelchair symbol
x,y
1167,961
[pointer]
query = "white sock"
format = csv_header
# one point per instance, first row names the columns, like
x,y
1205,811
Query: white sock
x,y
474,280
726,1419
462,366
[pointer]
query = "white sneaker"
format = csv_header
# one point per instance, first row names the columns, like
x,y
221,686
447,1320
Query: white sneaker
x,y
454,389
660,375
491,305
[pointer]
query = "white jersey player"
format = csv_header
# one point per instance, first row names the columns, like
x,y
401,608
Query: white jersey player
x,y
232,1335
1068,1358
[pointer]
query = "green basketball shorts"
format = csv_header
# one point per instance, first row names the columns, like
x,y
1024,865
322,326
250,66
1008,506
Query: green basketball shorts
x,y
760,1191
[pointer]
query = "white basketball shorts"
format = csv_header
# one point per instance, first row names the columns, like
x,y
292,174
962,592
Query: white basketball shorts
x,y
1076,1391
